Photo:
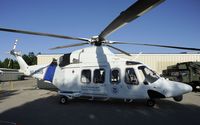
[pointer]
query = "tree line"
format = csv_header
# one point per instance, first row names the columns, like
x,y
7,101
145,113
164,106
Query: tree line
x,y
30,59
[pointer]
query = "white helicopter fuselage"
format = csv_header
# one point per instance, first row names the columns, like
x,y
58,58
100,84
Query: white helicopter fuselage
x,y
97,73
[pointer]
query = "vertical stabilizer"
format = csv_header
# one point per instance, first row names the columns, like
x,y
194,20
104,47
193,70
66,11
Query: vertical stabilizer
x,y
24,68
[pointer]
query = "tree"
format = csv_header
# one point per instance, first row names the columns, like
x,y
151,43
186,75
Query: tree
x,y
15,65
30,59
33,58
1,64
26,59
5,63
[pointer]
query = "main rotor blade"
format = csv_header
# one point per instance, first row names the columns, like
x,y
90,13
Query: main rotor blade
x,y
68,46
157,45
42,34
122,51
134,11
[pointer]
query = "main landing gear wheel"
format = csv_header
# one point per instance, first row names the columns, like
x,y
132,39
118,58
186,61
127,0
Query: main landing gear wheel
x,y
63,100
151,102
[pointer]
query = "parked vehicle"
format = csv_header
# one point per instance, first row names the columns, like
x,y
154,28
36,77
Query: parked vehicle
x,y
186,72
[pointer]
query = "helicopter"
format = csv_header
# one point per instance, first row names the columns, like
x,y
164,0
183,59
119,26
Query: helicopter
x,y
95,72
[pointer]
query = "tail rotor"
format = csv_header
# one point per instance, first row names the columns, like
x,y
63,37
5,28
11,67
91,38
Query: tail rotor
x,y
12,52
15,44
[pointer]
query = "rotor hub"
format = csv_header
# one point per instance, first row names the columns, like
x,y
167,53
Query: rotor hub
x,y
95,40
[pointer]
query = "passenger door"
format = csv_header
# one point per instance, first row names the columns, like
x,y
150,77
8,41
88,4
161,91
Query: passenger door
x,y
93,81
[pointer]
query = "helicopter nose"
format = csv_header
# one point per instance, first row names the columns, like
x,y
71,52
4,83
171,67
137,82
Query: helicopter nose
x,y
187,88
177,88
182,87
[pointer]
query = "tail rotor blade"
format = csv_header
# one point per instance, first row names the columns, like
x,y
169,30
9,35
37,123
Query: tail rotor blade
x,y
15,44
9,62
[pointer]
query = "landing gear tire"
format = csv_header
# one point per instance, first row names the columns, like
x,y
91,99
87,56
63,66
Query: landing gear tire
x,y
178,98
63,100
151,103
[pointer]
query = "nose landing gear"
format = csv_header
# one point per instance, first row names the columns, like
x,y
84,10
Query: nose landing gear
x,y
178,98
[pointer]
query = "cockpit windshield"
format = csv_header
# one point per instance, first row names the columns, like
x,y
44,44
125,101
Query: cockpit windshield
x,y
147,74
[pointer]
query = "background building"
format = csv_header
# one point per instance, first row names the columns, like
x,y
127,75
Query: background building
x,y
10,74
158,62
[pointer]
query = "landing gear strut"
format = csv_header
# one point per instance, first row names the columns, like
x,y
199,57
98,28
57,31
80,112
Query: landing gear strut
x,y
151,102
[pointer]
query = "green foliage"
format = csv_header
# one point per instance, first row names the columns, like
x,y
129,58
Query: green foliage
x,y
1,64
30,59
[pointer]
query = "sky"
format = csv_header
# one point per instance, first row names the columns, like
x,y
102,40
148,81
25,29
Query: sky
x,y
174,22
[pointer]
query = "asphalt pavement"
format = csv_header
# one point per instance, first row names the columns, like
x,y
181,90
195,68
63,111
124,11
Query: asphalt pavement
x,y
24,104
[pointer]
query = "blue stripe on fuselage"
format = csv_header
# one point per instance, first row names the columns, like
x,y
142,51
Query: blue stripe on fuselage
x,y
50,73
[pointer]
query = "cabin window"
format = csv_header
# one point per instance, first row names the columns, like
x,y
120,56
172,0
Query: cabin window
x,y
86,76
115,76
64,60
99,76
130,76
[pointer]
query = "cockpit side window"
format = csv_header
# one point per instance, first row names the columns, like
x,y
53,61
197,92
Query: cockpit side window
x,y
147,74
142,77
130,76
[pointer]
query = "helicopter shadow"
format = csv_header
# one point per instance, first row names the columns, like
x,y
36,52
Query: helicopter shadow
x,y
102,59
4,94
49,111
